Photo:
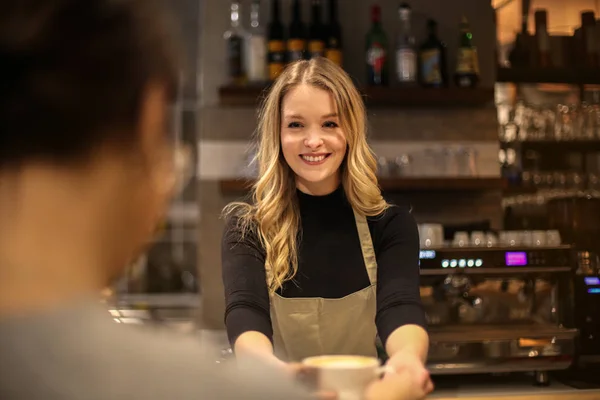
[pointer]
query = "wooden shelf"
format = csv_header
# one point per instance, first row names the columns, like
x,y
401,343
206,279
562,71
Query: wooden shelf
x,y
398,184
574,76
378,96
425,97
561,146
242,95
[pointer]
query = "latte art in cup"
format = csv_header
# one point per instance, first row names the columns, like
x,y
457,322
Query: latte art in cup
x,y
347,375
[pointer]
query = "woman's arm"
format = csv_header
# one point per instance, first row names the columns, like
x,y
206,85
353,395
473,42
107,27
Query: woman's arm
x,y
400,317
247,305
409,340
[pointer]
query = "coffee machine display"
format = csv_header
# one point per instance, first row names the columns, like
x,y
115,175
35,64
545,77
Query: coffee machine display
x,y
499,309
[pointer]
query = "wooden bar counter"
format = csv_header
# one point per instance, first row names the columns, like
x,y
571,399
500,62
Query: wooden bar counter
x,y
507,388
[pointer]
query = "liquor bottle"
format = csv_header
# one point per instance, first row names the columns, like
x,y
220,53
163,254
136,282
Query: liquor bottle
x,y
467,64
406,57
377,51
432,59
296,45
333,44
589,54
542,39
276,42
256,47
235,47
316,32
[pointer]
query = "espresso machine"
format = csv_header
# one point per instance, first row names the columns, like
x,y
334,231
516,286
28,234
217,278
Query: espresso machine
x,y
496,309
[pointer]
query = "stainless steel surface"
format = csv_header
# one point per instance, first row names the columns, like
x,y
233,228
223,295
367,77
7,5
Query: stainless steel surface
x,y
508,271
505,386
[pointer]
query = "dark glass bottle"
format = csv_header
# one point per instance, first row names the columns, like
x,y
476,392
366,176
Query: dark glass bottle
x,y
276,42
234,38
467,61
316,32
296,44
543,58
432,59
333,43
587,42
377,51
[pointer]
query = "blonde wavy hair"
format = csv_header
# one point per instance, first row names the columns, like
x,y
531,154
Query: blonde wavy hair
x,y
273,215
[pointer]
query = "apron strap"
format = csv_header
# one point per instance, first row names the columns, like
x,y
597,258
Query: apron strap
x,y
366,245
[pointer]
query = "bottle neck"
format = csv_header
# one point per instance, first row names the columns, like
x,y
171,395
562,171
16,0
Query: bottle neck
x,y
275,11
255,15
432,33
296,12
404,20
316,14
235,15
376,18
333,15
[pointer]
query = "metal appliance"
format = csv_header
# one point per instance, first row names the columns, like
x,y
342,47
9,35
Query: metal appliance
x,y
576,217
493,310
587,307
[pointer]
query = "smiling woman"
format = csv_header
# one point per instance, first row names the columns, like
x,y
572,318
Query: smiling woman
x,y
319,263
312,140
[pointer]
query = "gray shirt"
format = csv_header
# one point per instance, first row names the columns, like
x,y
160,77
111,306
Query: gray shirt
x,y
82,354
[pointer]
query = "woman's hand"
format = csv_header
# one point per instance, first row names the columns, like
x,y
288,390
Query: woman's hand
x,y
394,386
411,369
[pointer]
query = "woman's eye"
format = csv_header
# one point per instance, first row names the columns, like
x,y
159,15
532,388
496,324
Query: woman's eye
x,y
330,124
294,125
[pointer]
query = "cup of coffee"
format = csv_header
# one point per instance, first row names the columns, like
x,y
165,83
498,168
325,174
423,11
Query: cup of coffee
x,y
348,376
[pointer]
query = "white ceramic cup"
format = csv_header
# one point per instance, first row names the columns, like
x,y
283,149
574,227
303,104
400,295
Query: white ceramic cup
x,y
431,235
347,375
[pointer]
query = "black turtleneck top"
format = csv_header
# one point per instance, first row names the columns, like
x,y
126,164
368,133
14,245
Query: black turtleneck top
x,y
330,265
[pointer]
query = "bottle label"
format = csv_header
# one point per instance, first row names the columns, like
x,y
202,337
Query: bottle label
x,y
376,58
296,49
256,59
467,61
431,67
276,58
334,55
406,65
234,57
316,48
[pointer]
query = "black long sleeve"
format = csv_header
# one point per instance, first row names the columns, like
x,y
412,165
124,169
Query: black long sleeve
x,y
397,250
244,279
330,266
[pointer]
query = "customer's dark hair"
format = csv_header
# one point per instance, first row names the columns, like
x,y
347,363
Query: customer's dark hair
x,y
73,74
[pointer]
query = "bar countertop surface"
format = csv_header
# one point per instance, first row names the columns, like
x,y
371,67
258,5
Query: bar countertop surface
x,y
509,387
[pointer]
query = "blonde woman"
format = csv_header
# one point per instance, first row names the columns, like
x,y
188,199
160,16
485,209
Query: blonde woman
x,y
319,262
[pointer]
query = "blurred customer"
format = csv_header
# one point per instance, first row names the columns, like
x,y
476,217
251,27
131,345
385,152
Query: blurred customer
x,y
86,172
87,168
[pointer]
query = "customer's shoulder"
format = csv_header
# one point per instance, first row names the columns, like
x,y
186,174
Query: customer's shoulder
x,y
189,366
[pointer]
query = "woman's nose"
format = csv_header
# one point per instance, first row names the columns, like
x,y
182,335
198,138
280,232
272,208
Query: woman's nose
x,y
313,140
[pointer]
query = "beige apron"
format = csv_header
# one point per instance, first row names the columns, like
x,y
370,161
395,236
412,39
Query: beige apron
x,y
304,327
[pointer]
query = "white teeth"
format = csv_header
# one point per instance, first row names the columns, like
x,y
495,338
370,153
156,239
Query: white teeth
x,y
313,159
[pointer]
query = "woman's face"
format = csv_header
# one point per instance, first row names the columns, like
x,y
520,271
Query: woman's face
x,y
312,140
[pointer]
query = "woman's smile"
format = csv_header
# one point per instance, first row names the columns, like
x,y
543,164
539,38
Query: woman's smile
x,y
314,158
